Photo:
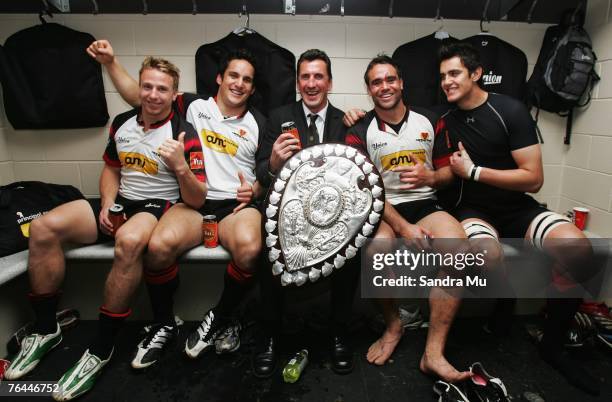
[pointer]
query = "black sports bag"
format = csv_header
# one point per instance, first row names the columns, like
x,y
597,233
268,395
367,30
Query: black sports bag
x,y
21,203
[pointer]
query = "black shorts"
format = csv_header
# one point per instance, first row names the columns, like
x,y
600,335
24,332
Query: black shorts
x,y
154,206
414,211
512,223
221,208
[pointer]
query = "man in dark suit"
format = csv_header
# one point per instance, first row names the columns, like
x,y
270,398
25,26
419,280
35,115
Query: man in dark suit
x,y
317,121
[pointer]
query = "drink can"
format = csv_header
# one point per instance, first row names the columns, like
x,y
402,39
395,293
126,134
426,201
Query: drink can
x,y
290,127
4,364
116,216
210,231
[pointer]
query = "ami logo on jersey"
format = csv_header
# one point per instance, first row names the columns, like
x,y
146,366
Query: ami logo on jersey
x,y
139,162
402,158
219,143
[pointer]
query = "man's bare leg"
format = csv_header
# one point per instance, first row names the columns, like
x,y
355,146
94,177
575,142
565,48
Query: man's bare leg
x,y
178,230
381,350
443,306
73,222
123,279
572,254
240,234
126,272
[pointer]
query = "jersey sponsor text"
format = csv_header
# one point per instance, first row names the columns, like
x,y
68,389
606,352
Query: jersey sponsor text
x,y
219,143
139,162
402,158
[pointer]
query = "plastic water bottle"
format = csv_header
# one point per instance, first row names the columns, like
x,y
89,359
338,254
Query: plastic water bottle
x,y
293,369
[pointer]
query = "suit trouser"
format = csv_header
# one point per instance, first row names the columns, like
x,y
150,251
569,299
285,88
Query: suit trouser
x,y
273,297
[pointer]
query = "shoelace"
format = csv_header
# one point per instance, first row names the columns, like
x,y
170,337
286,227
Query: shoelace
x,y
157,335
206,325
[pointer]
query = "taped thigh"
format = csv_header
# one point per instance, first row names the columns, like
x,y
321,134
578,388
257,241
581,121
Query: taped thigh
x,y
543,224
479,230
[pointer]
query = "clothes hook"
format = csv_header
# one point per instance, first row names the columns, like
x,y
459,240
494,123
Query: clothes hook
x,y
485,15
245,12
530,13
44,11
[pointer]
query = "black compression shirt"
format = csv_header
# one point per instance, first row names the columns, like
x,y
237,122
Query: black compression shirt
x,y
489,133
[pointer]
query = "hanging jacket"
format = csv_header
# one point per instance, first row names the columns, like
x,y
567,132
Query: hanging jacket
x,y
418,61
274,75
504,66
49,81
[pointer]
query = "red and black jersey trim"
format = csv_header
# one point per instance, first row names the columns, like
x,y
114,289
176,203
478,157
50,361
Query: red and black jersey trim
x,y
444,149
157,124
110,155
192,146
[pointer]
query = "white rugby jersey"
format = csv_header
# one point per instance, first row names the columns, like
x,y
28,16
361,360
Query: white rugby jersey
x,y
229,144
389,149
144,174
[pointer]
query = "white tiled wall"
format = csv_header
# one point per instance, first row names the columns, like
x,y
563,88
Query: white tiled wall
x,y
587,172
73,156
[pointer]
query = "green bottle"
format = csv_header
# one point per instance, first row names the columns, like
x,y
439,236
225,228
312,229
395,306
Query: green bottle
x,y
293,369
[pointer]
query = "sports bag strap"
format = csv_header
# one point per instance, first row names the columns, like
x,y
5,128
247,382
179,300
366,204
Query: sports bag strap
x,y
568,126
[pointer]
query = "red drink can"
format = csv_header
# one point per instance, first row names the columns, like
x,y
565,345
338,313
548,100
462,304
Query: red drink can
x,y
4,364
210,231
290,127
116,216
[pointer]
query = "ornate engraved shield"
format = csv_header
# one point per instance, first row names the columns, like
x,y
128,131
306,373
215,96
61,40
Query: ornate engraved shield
x,y
321,207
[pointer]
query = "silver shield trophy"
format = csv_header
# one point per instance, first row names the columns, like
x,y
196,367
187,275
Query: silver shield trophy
x,y
322,206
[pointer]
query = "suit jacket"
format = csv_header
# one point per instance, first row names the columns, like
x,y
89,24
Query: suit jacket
x,y
334,132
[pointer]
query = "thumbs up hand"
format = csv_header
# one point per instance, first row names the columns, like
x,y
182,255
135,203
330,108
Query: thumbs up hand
x,y
462,165
244,194
173,153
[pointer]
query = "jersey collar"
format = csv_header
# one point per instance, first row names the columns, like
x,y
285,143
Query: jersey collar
x,y
384,126
240,116
157,124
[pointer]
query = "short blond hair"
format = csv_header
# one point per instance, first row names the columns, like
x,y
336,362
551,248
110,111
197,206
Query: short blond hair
x,y
162,65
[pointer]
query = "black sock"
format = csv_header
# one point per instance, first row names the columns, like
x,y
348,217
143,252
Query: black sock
x,y
559,315
109,325
44,307
231,297
161,296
